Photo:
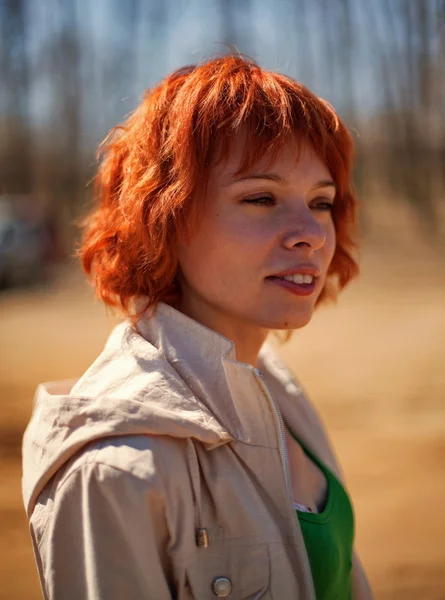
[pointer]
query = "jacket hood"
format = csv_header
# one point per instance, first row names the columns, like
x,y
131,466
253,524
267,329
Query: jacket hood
x,y
131,389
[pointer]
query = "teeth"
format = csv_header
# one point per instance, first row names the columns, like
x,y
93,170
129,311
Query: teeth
x,y
299,278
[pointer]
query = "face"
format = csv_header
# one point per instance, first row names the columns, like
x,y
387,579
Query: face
x,y
258,228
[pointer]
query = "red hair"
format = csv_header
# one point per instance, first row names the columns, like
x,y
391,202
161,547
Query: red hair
x,y
154,169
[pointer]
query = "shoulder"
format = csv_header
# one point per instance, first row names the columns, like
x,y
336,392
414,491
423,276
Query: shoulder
x,y
149,459
298,411
130,476
284,380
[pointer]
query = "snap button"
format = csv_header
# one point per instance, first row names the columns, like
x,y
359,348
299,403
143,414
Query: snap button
x,y
222,587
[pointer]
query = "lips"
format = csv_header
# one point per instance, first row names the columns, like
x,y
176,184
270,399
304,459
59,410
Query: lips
x,y
299,270
294,287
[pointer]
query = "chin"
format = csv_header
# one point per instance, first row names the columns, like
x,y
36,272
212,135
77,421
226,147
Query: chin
x,y
289,320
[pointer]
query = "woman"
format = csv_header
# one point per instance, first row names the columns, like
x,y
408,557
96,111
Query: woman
x,y
186,462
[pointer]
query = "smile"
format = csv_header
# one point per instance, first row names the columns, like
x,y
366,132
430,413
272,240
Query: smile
x,y
298,278
297,284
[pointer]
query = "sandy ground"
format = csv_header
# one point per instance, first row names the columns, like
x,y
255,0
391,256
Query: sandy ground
x,y
373,365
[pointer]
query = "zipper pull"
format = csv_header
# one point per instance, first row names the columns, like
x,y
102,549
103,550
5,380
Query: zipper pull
x,y
202,537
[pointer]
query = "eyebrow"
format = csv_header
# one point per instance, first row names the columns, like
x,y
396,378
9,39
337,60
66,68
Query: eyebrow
x,y
268,176
279,179
325,183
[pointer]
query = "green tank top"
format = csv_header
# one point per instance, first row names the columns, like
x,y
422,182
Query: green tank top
x,y
329,537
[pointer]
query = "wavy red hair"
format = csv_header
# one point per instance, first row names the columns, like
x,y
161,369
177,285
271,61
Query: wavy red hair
x,y
154,168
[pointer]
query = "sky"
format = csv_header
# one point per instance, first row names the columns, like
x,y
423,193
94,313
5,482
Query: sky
x,y
121,56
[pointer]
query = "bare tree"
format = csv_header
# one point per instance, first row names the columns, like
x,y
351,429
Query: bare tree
x,y
14,94
90,78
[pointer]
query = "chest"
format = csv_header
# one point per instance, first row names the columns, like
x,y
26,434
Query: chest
x,y
242,502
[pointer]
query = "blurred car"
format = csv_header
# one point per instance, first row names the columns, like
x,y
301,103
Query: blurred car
x,y
23,242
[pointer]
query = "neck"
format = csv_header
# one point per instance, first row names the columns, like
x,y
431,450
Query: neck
x,y
247,337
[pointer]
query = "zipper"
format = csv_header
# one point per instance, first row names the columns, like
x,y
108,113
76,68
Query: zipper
x,y
285,461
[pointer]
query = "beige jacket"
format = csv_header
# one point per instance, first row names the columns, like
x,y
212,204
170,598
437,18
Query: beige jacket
x,y
162,473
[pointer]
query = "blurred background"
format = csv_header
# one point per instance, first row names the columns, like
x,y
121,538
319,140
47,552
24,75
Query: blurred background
x,y
373,364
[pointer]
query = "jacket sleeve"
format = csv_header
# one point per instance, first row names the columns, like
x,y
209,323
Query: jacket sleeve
x,y
105,539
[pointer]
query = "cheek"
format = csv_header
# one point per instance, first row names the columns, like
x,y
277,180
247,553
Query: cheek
x,y
225,236
224,255
211,249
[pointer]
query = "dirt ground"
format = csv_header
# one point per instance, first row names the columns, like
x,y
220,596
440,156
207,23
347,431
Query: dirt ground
x,y
373,365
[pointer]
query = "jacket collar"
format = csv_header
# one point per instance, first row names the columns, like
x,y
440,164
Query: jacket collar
x,y
205,360
231,390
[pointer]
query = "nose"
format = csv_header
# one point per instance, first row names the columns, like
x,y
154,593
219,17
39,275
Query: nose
x,y
304,230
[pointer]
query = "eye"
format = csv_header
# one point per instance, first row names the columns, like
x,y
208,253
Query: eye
x,y
323,204
260,201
